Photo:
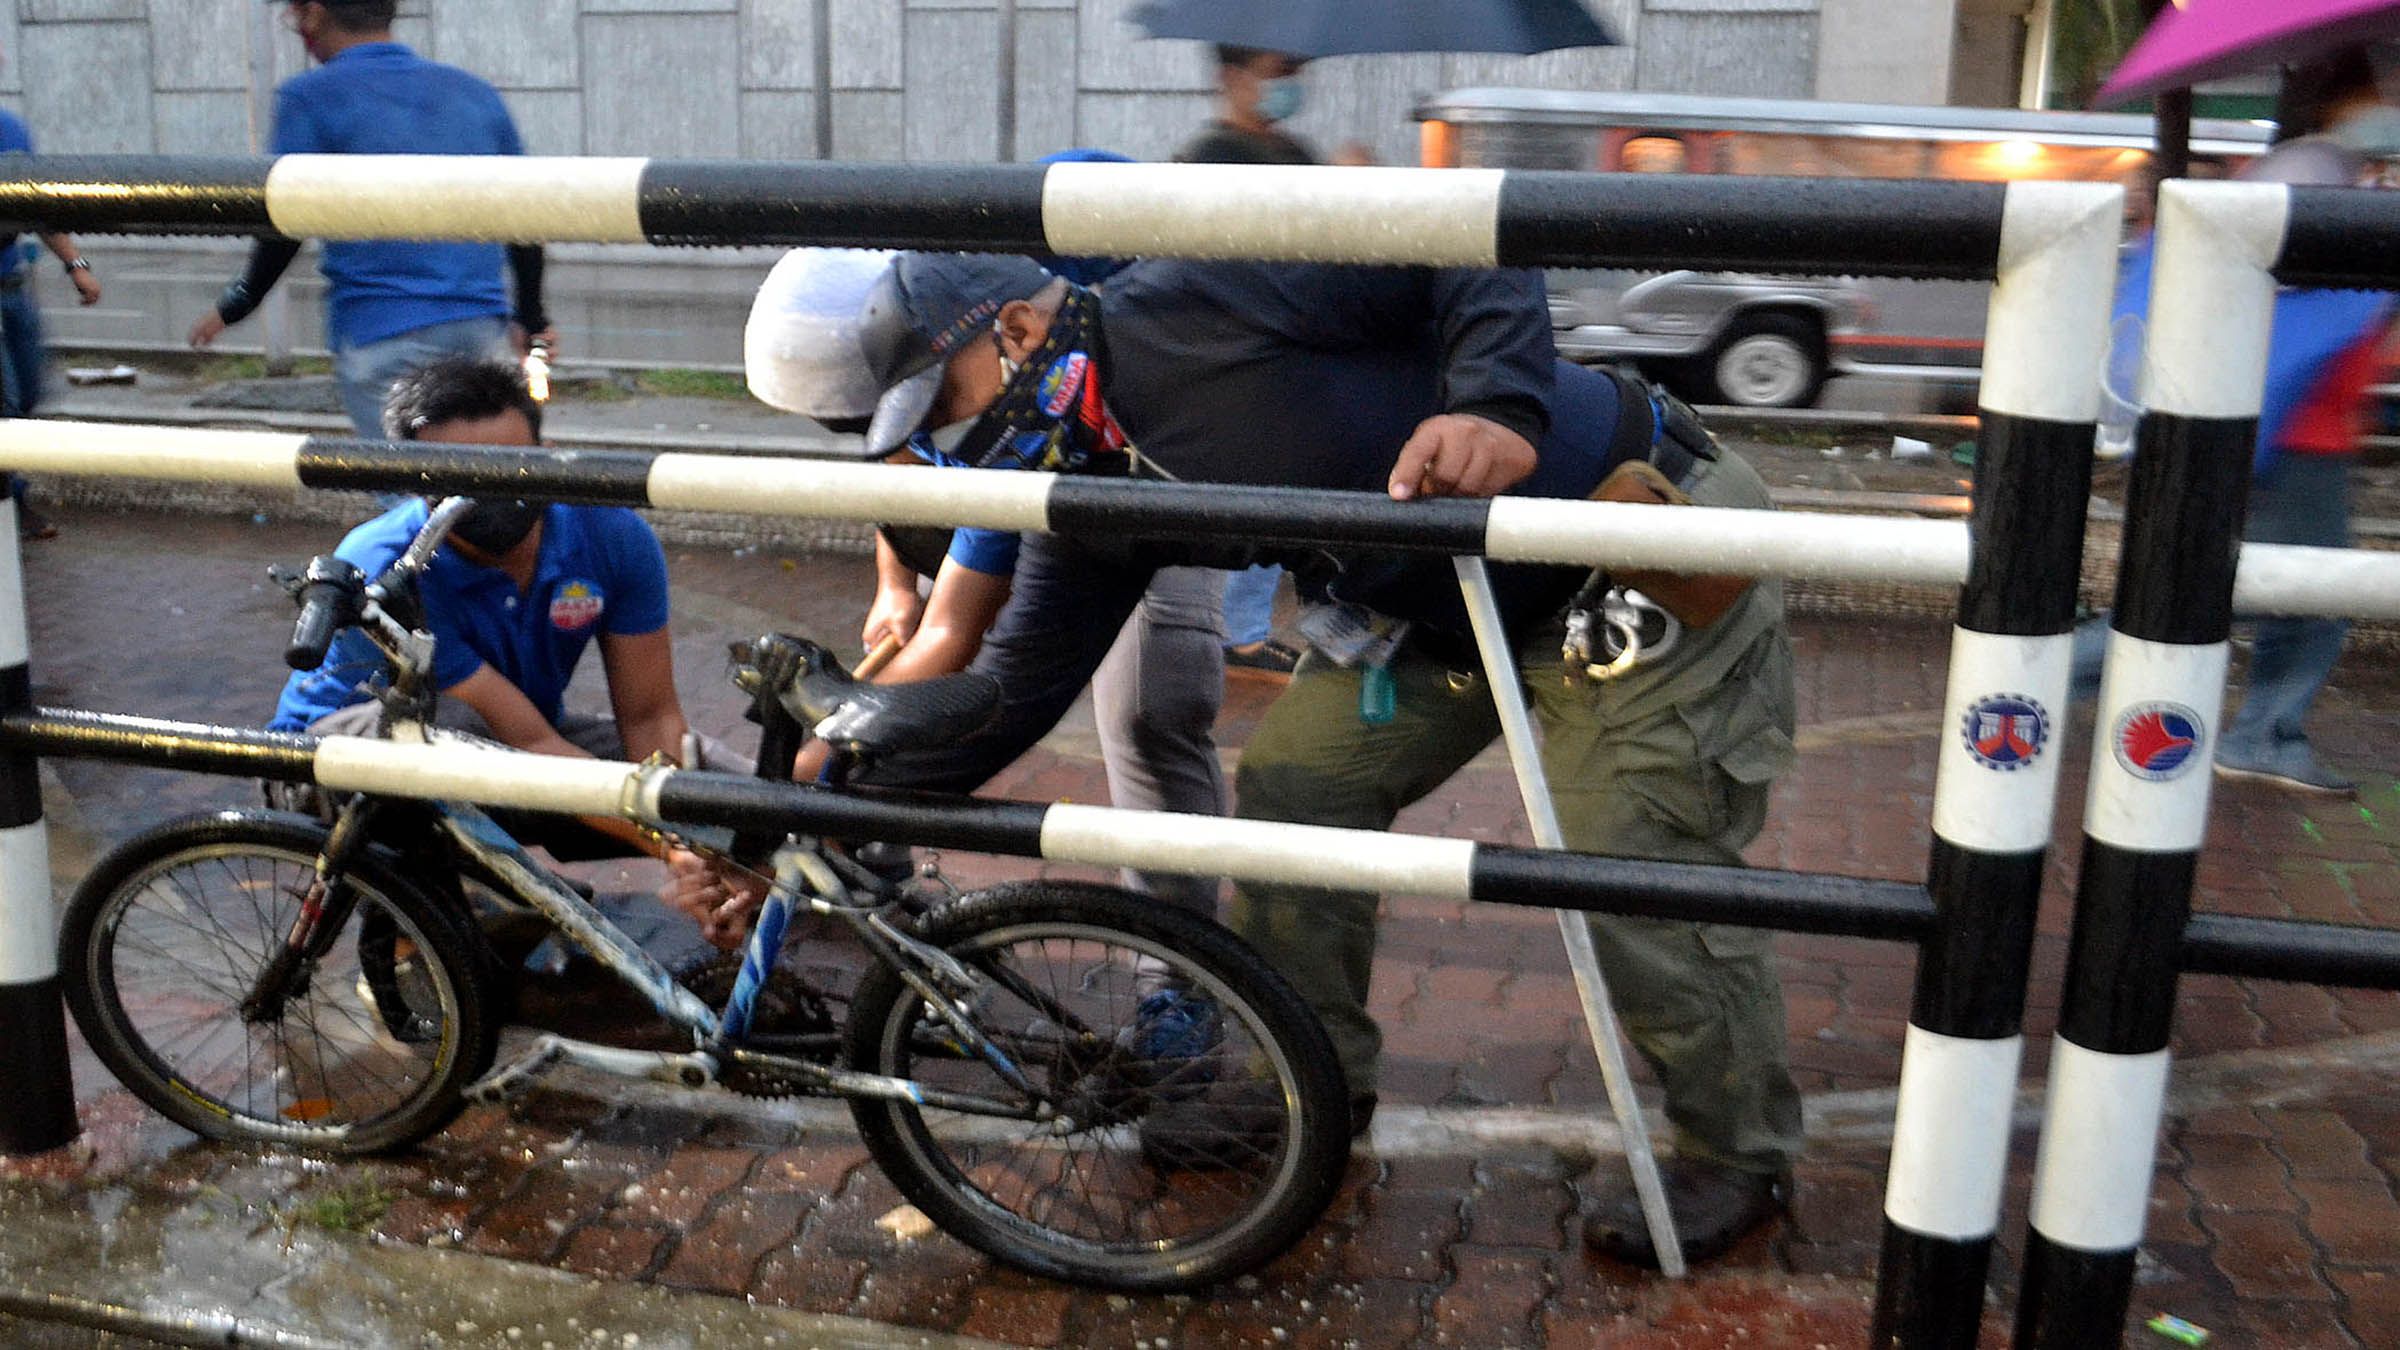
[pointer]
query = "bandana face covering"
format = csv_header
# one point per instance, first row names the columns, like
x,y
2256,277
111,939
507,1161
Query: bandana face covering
x,y
1050,416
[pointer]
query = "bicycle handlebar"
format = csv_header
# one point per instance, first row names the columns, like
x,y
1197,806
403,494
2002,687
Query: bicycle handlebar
x,y
329,602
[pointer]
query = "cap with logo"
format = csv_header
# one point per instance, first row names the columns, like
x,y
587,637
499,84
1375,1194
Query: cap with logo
x,y
857,340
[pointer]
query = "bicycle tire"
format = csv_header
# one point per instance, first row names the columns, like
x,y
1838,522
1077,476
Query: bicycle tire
x,y
1268,1032
224,888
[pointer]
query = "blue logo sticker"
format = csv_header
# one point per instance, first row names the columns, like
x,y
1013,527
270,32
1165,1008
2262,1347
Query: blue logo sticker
x,y
2005,732
2156,740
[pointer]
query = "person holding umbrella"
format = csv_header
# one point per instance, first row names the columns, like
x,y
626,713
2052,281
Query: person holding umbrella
x,y
1257,92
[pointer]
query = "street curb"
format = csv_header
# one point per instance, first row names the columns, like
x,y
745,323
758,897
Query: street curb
x,y
211,1269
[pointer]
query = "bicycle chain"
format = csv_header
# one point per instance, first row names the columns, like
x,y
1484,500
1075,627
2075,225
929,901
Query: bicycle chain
x,y
790,1005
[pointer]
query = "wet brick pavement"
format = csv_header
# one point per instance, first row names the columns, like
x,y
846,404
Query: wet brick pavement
x,y
2274,1214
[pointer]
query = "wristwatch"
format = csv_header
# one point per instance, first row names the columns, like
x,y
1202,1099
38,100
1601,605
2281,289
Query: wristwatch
x,y
79,265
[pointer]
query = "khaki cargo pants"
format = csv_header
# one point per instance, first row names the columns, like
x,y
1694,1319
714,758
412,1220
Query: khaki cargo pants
x,y
1672,762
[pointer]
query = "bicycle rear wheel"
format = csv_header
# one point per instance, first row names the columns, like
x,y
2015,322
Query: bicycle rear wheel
x,y
166,940
1194,1120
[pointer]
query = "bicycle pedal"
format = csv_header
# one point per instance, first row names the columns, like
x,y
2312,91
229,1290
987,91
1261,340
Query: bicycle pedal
x,y
517,1077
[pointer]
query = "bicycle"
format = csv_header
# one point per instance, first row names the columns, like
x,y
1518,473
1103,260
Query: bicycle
x,y
1069,1077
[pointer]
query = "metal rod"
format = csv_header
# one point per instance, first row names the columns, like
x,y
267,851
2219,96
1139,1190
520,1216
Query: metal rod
x,y
820,53
1599,1016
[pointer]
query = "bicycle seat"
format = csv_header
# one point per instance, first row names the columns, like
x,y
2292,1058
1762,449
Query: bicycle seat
x,y
874,719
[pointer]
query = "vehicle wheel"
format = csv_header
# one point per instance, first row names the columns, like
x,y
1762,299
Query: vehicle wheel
x,y
1193,1119
1765,361
165,939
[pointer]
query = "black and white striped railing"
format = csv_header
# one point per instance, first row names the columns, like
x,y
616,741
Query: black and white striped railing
x,y
2279,579
2212,296
1248,850
1376,215
40,1114
1996,780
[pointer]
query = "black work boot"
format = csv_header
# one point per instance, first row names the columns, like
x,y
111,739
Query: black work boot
x,y
1713,1208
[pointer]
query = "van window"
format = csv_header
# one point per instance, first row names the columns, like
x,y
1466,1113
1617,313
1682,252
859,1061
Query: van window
x,y
1654,154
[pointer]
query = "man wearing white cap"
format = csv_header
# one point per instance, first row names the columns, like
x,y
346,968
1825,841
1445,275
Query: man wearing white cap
x,y
1414,382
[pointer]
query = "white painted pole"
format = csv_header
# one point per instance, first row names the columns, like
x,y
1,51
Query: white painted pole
x,y
1599,1016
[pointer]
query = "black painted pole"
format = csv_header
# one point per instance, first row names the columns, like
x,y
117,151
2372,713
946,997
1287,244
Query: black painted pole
x,y
35,1082
2211,302
1997,780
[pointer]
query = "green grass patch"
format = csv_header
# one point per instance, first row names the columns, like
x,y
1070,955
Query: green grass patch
x,y
724,384
242,366
352,1208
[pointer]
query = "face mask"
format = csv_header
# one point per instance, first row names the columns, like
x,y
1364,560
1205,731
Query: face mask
x,y
1279,100
494,527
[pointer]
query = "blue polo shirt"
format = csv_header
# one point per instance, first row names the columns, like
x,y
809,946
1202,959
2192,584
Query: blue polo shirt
x,y
380,98
599,570
15,139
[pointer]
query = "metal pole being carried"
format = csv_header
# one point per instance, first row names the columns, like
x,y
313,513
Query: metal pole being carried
x,y
34,1078
1599,1017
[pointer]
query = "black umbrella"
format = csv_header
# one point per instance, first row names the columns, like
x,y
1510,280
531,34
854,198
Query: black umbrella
x,y
1313,28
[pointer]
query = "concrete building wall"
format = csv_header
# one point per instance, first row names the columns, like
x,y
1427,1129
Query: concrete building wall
x,y
912,79
1878,51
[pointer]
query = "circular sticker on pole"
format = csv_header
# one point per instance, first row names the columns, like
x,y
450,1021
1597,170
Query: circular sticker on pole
x,y
2156,740
2005,732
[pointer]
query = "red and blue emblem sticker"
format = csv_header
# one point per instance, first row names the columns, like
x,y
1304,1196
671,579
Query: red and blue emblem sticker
x,y
2005,732
578,604
2156,740
1062,382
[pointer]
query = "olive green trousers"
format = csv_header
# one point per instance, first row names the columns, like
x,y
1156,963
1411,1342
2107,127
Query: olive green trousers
x,y
1671,761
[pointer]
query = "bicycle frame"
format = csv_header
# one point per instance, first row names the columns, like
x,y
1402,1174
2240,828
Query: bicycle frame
x,y
802,876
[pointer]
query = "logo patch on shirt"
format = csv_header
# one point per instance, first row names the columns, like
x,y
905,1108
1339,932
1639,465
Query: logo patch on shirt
x,y
577,605
2005,732
1062,382
2157,740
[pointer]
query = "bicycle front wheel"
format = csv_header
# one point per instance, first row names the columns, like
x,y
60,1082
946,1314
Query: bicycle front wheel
x,y
365,1049
1183,1116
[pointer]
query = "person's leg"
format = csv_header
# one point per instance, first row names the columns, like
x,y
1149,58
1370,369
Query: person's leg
x,y
2301,499
1067,603
22,388
1155,699
1314,761
1673,762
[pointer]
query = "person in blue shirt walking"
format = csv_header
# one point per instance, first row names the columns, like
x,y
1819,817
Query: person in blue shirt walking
x,y
391,306
21,352
514,599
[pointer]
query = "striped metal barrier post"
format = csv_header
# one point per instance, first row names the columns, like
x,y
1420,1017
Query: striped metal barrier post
x,y
35,1080
2164,685
1996,783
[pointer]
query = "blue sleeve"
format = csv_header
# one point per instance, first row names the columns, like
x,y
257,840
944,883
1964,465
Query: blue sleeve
x,y
15,136
637,573
296,131
991,552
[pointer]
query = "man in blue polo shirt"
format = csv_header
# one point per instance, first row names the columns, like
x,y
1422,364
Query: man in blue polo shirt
x,y
513,600
391,306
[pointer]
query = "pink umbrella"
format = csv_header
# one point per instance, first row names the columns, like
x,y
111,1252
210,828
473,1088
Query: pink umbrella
x,y
2200,40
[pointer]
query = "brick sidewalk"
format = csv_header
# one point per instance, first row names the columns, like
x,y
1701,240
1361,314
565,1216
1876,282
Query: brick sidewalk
x,y
2272,1222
